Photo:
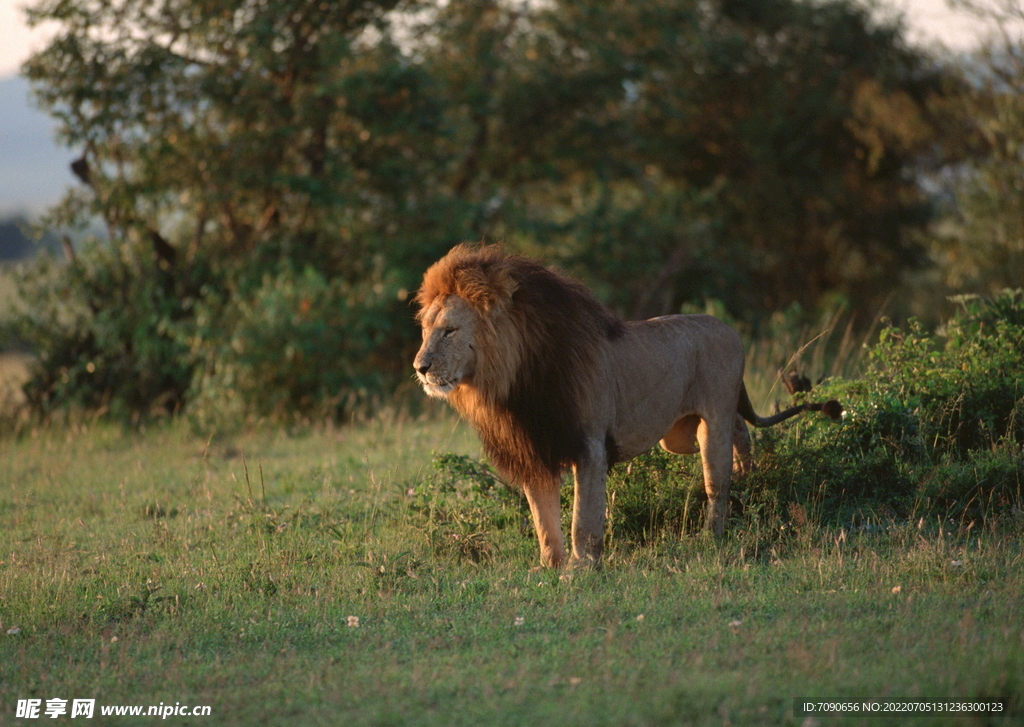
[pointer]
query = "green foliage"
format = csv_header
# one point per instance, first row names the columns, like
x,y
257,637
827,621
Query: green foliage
x,y
932,426
240,158
981,246
655,495
976,487
104,327
463,503
743,132
298,345
673,150
966,393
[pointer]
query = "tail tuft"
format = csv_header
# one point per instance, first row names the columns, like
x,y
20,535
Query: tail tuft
x,y
832,409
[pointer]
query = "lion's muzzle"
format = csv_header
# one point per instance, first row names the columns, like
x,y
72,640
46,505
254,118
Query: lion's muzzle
x,y
438,389
433,385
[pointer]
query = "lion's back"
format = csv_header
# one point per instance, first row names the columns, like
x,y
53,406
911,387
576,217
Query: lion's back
x,y
680,341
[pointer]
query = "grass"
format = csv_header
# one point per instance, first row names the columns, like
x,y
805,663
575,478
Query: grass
x,y
140,568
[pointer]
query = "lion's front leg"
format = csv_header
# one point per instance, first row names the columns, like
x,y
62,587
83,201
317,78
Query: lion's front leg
x,y
546,508
588,509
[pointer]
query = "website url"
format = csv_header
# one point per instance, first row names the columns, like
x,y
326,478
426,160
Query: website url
x,y
162,710
86,708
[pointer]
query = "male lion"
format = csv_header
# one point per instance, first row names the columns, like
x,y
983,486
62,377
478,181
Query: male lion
x,y
550,378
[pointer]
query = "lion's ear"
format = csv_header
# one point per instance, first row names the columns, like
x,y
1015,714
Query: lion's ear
x,y
503,286
487,289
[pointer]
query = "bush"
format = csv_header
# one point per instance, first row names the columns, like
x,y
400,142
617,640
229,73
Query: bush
x,y
116,333
655,494
298,345
104,328
975,487
934,425
967,394
462,502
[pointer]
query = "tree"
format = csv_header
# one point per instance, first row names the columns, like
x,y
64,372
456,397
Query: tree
x,y
275,176
229,147
758,152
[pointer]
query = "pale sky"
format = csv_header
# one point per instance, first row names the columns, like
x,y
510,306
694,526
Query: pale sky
x,y
929,20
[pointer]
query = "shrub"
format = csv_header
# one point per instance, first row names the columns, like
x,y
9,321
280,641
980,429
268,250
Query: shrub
x,y
297,345
964,394
973,488
934,424
655,494
104,331
116,333
461,502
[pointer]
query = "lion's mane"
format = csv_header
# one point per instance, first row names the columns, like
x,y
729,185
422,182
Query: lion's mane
x,y
537,344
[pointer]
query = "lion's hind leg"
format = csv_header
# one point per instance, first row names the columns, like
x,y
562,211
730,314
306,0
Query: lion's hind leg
x,y
589,503
742,462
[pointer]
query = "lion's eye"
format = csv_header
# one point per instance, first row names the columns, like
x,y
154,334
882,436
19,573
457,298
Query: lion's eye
x,y
447,332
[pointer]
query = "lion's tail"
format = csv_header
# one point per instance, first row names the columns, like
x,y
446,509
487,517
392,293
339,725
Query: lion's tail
x,y
831,408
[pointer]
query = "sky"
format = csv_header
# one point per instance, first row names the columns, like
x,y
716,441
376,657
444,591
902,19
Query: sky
x,y
928,20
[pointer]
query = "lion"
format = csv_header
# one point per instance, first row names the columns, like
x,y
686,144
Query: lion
x,y
552,379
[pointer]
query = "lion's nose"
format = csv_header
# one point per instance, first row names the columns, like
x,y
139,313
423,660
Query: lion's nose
x,y
422,367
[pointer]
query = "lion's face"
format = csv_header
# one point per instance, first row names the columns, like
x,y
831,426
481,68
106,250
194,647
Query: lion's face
x,y
448,354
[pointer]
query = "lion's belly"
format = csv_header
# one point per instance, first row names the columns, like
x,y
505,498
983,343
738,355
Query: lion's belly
x,y
636,435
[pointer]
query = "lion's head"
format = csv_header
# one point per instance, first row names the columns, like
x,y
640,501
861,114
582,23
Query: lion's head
x,y
512,346
448,354
464,299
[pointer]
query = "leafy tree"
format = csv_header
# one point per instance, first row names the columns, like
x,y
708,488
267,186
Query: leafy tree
x,y
227,144
275,175
671,150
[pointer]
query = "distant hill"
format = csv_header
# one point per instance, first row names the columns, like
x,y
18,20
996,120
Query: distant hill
x,y
16,245
33,167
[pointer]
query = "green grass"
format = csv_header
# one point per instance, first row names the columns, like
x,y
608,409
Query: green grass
x,y
160,567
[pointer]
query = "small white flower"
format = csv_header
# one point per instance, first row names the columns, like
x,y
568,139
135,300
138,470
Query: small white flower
x,y
353,622
520,620
14,631
640,617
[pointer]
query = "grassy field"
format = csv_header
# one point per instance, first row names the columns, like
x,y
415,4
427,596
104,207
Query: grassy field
x,y
311,579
